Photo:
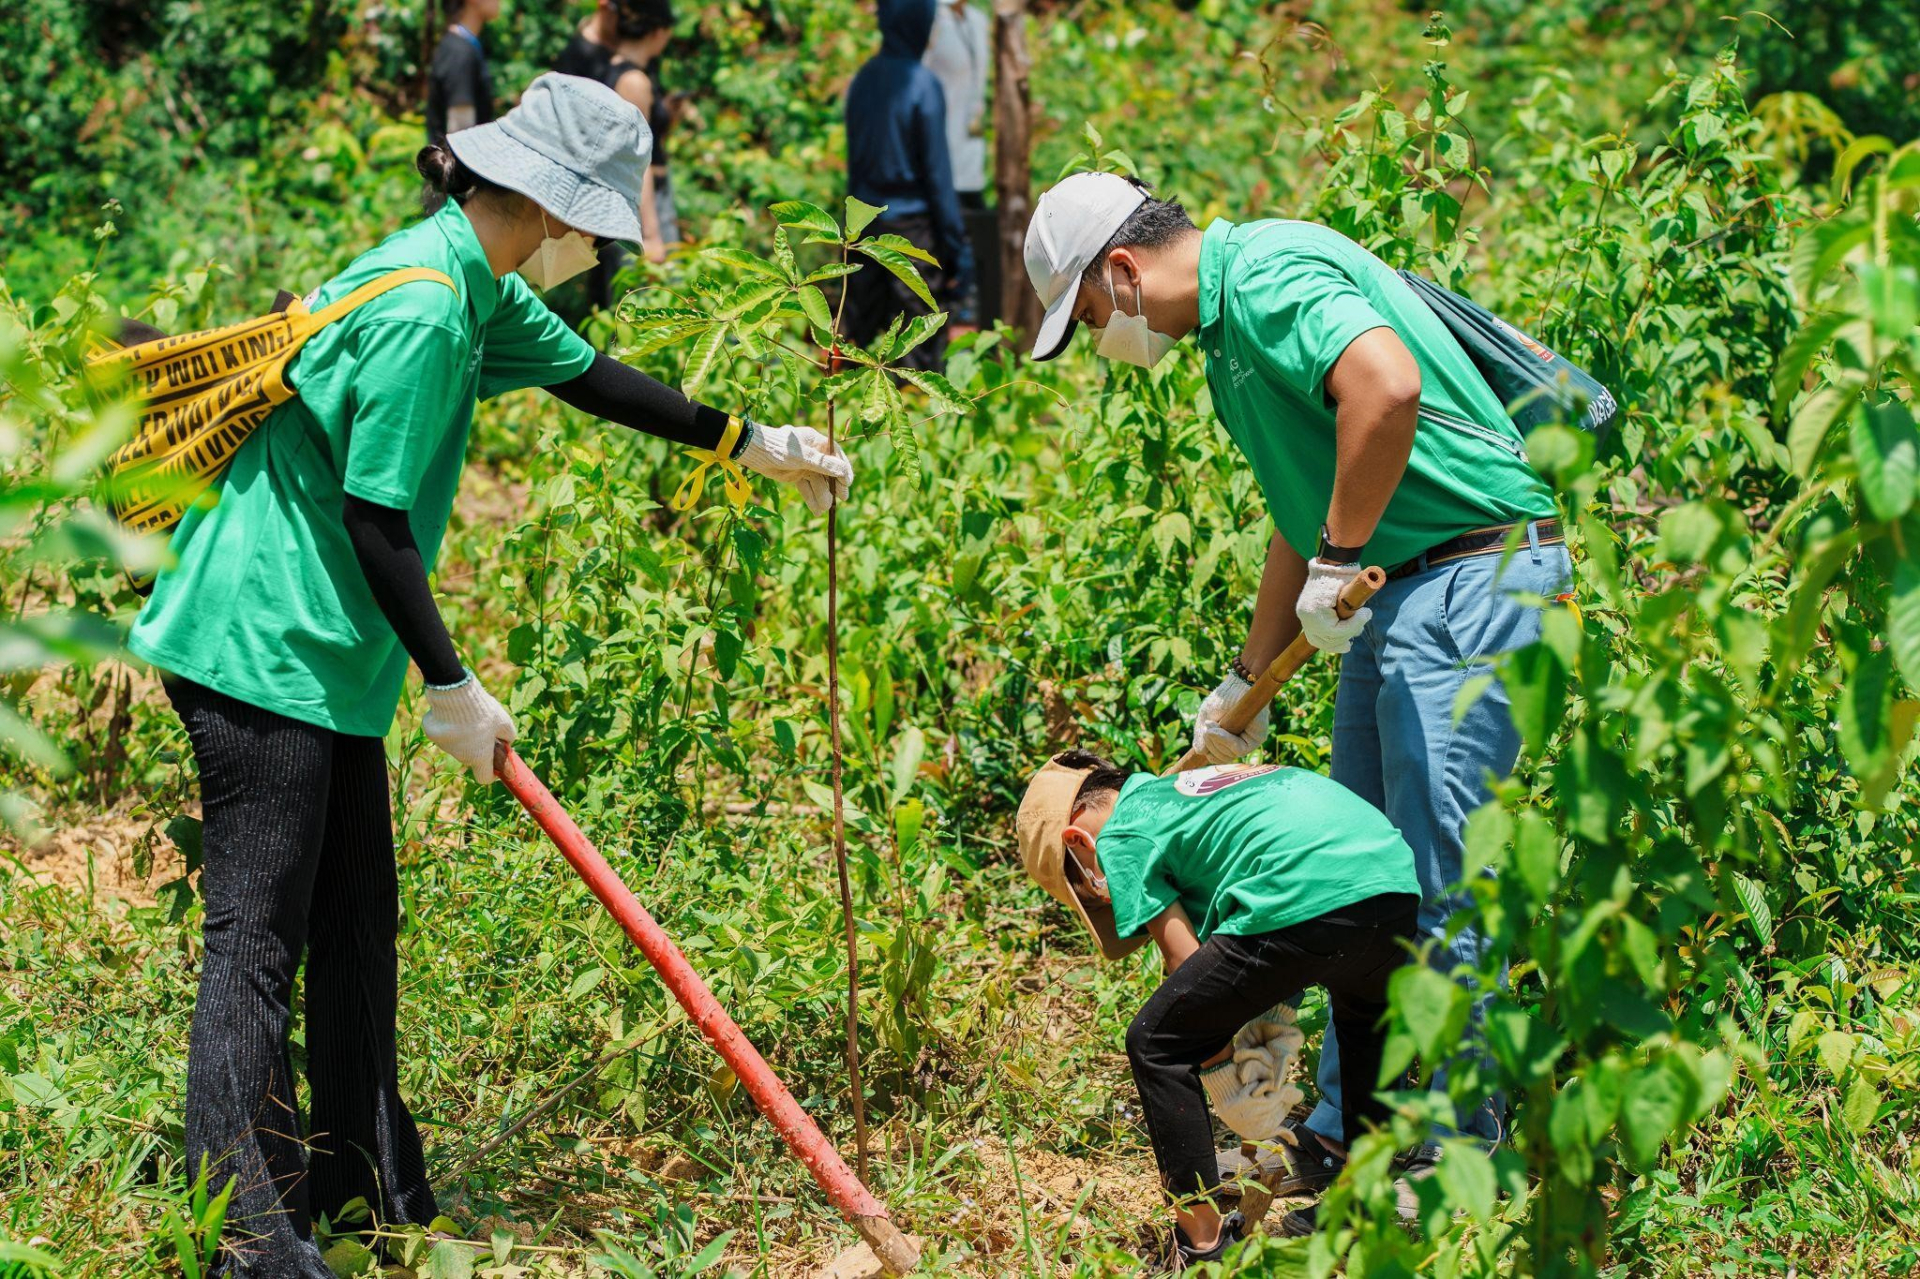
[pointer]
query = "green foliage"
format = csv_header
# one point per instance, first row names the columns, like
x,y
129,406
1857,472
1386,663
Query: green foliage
x,y
1704,869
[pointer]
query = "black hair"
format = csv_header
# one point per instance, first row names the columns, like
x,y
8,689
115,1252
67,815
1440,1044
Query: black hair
x,y
446,176
1106,777
637,19
1155,224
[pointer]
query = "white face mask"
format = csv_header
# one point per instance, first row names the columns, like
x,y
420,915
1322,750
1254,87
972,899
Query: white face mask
x,y
558,259
1129,338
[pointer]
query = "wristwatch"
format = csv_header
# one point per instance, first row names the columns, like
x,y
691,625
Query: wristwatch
x,y
1331,554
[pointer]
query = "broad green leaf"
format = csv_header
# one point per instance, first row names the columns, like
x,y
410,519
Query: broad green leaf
x,y
1536,686
448,1260
1654,1103
1886,447
900,244
906,762
1537,856
1466,1174
348,1258
819,315
1835,1048
945,398
1862,1105
832,271
1434,1010
902,268
700,361
798,215
860,215
918,330
749,262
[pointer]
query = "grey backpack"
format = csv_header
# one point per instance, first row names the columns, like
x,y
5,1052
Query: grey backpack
x,y
1537,385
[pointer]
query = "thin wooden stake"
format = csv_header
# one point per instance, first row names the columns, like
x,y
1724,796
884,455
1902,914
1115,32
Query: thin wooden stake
x,y
840,809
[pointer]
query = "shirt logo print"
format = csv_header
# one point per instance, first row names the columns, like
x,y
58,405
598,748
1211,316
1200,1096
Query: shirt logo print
x,y
1201,782
1237,373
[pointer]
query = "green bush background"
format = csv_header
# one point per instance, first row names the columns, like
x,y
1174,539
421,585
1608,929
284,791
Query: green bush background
x,y
1705,862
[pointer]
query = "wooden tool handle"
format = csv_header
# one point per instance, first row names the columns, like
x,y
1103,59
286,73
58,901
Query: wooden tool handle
x,y
1291,659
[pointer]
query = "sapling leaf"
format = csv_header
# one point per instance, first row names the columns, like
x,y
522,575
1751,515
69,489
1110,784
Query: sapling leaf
x,y
898,244
748,262
819,315
798,215
831,271
898,263
940,391
700,361
860,215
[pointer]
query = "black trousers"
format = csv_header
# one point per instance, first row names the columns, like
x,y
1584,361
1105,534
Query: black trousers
x,y
298,845
1230,980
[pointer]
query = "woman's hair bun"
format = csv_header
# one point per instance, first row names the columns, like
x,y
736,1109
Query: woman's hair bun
x,y
438,166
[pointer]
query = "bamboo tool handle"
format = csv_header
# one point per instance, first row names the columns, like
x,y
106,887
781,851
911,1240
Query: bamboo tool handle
x,y
809,1145
1283,667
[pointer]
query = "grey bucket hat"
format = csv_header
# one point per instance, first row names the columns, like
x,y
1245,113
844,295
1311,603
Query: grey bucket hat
x,y
573,146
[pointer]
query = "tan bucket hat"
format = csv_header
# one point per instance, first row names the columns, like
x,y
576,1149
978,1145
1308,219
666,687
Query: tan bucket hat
x,y
1045,812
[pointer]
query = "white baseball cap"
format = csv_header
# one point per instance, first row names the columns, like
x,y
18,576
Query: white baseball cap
x,y
1071,224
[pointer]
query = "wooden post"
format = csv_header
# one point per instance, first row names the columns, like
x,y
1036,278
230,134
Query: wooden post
x,y
1012,175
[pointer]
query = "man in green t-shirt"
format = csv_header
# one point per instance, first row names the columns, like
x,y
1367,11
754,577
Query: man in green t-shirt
x,y
1254,881
1375,441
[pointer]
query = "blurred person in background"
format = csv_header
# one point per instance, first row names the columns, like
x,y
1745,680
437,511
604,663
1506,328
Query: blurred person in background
x,y
959,54
459,83
615,45
897,158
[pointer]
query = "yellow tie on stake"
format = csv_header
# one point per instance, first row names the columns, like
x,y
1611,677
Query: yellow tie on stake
x,y
738,487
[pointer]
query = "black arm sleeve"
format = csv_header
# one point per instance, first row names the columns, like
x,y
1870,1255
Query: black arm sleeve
x,y
620,393
383,543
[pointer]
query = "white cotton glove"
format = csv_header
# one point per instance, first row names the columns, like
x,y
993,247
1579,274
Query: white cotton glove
x,y
1319,618
465,722
1271,1035
798,455
1248,1096
1216,743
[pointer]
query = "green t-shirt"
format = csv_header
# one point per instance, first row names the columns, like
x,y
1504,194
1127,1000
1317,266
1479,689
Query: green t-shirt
x,y
266,602
1246,848
1279,302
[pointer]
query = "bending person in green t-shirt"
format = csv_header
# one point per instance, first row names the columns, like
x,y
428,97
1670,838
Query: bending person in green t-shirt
x,y
1254,881
284,626
1374,441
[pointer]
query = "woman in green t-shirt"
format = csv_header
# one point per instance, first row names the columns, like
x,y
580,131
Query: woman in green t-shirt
x,y
284,627
1255,881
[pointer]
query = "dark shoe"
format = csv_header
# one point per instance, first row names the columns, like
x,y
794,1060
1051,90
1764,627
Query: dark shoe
x,y
1301,1222
1232,1230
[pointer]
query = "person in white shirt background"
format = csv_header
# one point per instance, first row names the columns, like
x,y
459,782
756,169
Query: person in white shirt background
x,y
959,53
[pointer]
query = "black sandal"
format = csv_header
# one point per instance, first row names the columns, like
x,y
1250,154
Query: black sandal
x,y
1293,1163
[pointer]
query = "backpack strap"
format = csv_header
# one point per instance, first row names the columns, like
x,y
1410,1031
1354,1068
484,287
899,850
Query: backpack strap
x,y
374,288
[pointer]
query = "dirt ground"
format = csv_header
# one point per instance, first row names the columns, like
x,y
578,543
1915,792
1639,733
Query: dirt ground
x,y
99,855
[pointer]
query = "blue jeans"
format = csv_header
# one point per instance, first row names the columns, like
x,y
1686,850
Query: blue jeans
x,y
1395,744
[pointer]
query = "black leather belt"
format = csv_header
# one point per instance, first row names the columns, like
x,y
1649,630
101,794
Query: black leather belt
x,y
1482,541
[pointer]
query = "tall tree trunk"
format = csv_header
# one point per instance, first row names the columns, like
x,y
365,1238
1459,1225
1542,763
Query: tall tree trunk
x,y
1012,176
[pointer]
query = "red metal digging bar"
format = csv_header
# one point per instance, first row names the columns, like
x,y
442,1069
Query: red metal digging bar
x,y
803,1137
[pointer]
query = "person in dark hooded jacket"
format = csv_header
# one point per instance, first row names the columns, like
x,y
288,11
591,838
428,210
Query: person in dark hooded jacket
x,y
897,157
